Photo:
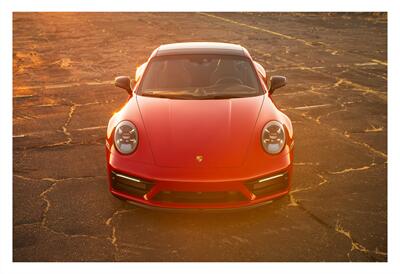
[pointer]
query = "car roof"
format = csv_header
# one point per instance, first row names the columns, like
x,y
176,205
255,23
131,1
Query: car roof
x,y
200,48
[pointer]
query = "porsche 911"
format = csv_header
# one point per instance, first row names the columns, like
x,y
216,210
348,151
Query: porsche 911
x,y
200,130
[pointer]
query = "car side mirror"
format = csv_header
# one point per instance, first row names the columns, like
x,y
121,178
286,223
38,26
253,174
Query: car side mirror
x,y
124,82
277,82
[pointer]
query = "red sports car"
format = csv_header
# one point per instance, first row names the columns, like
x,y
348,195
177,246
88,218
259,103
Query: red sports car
x,y
199,130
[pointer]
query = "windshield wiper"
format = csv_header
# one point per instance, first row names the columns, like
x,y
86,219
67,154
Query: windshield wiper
x,y
171,94
227,95
224,96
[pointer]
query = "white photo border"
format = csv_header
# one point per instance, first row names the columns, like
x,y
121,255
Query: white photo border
x,y
7,7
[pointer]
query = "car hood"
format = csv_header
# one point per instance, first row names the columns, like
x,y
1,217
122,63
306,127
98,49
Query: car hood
x,y
199,133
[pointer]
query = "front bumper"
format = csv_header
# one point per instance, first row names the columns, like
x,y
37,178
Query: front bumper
x,y
200,194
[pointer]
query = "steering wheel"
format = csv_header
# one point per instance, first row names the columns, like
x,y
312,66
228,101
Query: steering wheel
x,y
229,79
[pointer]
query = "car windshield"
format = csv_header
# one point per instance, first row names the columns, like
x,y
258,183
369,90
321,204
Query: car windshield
x,y
200,77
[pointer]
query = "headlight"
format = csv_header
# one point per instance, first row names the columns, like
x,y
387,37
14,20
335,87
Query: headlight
x,y
126,137
273,137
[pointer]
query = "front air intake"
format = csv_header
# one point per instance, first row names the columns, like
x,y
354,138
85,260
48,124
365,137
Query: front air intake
x,y
130,185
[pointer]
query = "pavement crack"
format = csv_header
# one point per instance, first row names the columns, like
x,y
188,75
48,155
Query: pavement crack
x,y
60,144
371,149
66,85
356,245
295,202
113,237
346,170
136,246
312,107
71,112
44,133
323,180
339,80
43,196
56,180
358,87
64,127
240,239
44,222
311,44
374,129
347,135
306,164
74,235
23,177
338,83
118,212
379,62
292,200
90,128
278,69
343,107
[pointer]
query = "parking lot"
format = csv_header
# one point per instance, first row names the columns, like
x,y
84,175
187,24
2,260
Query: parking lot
x,y
63,68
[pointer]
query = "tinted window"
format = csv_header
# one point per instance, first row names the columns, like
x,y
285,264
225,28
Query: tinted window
x,y
200,77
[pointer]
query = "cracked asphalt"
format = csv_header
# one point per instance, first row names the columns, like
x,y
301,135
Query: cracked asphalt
x,y
63,68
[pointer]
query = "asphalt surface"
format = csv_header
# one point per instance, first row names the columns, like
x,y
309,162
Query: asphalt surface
x,y
64,65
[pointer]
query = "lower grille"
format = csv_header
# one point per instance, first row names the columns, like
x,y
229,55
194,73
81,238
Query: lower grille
x,y
269,185
199,197
130,185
